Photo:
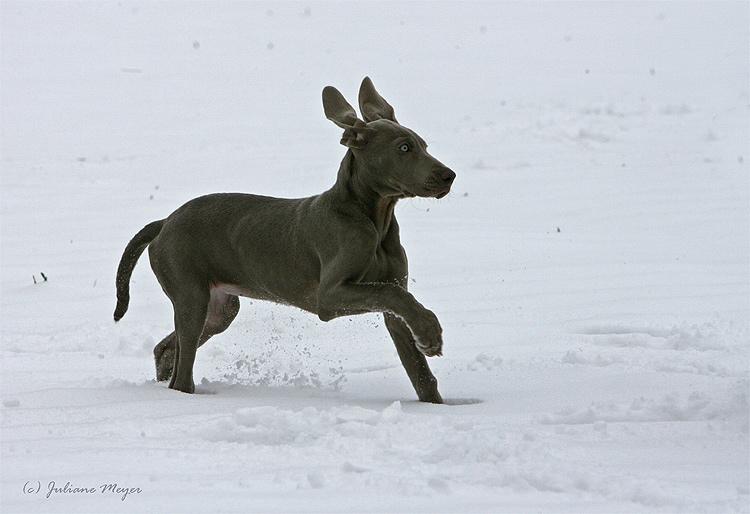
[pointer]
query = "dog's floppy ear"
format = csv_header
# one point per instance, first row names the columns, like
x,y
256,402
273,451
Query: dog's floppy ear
x,y
338,110
372,105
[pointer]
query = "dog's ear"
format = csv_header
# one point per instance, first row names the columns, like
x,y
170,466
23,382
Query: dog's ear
x,y
372,105
338,110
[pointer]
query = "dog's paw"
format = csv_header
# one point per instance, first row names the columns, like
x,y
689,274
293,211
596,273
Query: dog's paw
x,y
429,340
432,348
427,390
164,365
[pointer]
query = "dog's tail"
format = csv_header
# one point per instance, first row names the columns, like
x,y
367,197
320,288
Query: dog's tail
x,y
127,263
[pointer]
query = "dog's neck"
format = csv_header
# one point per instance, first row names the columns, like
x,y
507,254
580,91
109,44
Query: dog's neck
x,y
351,186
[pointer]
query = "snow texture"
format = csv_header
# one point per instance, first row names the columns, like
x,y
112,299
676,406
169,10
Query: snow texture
x,y
590,267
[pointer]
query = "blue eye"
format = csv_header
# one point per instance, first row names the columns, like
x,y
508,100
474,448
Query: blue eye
x,y
404,147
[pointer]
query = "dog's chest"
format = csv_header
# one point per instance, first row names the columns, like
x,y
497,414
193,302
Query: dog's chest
x,y
387,266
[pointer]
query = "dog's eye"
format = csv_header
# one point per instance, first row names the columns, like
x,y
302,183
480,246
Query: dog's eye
x,y
404,147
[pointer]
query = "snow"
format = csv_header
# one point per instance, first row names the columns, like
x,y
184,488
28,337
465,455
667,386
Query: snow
x,y
590,268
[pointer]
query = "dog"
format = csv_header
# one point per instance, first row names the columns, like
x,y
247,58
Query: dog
x,y
334,254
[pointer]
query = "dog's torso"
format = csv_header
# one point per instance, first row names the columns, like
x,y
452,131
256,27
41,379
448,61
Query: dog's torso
x,y
273,248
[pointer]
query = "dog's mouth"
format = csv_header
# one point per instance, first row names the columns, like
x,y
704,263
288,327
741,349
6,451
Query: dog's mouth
x,y
440,193
433,192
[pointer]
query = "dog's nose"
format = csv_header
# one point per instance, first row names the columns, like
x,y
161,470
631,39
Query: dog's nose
x,y
447,175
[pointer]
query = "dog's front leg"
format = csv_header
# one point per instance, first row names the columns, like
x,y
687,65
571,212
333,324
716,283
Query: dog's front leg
x,y
415,364
344,299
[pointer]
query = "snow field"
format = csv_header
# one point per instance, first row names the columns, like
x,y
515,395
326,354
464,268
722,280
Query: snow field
x,y
589,268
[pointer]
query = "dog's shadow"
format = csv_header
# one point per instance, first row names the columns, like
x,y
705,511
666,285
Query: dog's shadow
x,y
461,401
211,388
218,388
447,402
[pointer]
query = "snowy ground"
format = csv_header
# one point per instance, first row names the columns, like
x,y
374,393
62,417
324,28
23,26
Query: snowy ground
x,y
590,268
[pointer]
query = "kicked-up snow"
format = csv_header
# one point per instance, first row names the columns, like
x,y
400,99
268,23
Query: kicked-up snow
x,y
590,267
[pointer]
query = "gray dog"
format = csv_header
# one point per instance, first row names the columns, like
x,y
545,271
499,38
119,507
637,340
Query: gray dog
x,y
334,254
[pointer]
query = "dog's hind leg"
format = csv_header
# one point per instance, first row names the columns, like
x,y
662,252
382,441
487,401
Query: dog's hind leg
x,y
190,304
222,309
424,382
164,356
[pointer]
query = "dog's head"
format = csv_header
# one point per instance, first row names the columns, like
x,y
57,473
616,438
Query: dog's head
x,y
394,156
